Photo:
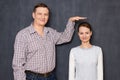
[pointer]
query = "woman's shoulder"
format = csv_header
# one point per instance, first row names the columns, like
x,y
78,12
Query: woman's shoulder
x,y
96,47
75,48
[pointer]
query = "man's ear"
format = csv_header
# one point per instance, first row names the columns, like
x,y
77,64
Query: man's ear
x,y
33,15
78,33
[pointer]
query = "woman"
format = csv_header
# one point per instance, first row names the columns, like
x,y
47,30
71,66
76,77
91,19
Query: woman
x,y
86,60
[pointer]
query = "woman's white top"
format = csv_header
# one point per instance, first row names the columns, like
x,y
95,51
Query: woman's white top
x,y
86,63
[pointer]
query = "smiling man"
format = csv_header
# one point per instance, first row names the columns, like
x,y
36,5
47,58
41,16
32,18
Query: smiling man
x,y
34,48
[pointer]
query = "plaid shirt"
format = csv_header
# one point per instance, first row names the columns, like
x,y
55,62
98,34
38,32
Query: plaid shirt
x,y
36,53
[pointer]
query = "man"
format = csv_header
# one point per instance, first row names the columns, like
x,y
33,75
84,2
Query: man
x,y
34,48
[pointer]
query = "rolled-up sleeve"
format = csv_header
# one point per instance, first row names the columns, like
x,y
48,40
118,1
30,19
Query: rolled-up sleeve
x,y
62,37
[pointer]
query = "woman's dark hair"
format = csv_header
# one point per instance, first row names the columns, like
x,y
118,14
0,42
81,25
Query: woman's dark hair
x,y
40,5
84,24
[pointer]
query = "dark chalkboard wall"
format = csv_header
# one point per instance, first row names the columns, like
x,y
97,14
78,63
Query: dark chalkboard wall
x,y
104,15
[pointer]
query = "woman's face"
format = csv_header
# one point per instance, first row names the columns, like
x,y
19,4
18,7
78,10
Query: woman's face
x,y
84,34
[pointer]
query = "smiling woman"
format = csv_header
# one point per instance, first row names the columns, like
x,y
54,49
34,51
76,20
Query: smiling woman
x,y
86,60
85,33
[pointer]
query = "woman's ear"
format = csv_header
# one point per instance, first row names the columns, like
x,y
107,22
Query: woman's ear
x,y
91,33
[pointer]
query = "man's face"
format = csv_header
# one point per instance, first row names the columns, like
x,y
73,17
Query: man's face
x,y
41,16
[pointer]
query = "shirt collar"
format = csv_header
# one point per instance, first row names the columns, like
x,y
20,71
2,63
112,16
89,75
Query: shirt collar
x,y
32,30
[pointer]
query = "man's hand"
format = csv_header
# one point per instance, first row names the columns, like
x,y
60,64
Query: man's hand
x,y
76,18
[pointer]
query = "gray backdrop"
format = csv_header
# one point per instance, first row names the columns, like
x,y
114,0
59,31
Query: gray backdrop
x,y
104,15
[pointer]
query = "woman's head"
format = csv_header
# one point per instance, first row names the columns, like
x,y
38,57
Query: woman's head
x,y
84,31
